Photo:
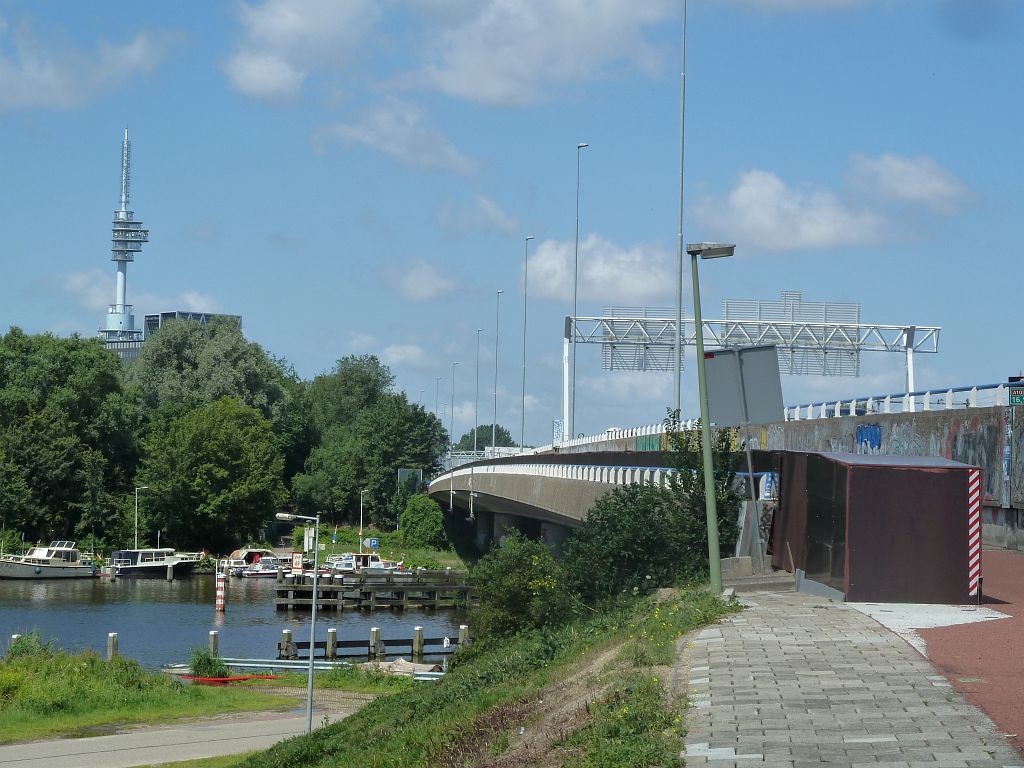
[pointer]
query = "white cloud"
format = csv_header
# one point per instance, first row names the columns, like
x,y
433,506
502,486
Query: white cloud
x,y
481,216
916,180
764,211
421,282
400,129
361,341
878,202
94,290
508,52
285,40
35,75
607,272
405,354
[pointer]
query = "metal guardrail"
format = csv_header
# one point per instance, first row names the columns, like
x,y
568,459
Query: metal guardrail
x,y
975,396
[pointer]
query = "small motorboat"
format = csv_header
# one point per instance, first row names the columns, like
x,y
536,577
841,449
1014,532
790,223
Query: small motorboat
x,y
241,559
60,560
262,568
154,562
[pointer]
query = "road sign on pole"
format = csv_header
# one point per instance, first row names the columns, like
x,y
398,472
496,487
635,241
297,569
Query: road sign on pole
x,y
1016,395
371,543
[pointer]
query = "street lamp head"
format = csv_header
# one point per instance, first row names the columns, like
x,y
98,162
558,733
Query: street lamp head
x,y
711,250
500,292
530,237
582,146
284,516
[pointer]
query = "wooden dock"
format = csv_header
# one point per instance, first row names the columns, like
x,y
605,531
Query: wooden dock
x,y
399,590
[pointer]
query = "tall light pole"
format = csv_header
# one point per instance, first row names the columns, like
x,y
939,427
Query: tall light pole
x,y
312,623
137,489
437,395
361,521
494,421
575,291
526,277
476,396
677,379
451,416
707,251
421,396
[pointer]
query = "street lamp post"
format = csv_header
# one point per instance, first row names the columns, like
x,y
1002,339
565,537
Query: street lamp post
x,y
437,395
476,396
451,416
494,421
361,520
526,276
707,251
312,622
137,489
677,379
575,291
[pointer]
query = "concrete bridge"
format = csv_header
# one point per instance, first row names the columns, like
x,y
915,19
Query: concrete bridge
x,y
549,490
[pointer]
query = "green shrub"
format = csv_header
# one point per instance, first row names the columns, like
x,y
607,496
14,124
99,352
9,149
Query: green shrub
x,y
521,587
205,664
422,523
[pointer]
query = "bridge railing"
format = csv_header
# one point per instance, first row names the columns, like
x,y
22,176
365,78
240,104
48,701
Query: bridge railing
x,y
974,396
767,482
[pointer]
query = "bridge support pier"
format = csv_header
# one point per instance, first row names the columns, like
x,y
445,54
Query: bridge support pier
x,y
503,525
554,536
484,529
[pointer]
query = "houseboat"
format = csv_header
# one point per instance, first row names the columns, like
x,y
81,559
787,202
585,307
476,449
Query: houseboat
x,y
60,560
153,562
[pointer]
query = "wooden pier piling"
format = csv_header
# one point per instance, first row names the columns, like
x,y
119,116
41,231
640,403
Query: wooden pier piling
x,y
111,645
214,642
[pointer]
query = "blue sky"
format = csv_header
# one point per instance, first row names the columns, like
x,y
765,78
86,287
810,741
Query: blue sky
x,y
359,177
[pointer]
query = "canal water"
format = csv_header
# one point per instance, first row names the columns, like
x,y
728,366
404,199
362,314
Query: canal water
x,y
159,622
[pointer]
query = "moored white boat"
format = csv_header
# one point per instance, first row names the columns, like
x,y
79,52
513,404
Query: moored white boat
x,y
60,560
262,568
153,562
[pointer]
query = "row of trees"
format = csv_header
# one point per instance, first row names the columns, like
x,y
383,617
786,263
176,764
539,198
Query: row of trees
x,y
222,435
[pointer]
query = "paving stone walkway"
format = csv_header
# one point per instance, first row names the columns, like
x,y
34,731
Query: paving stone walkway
x,y
796,680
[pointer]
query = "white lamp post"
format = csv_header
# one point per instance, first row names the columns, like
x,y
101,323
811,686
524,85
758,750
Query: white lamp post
x,y
707,251
312,623
361,521
137,489
494,421
476,396
526,275
575,290
451,416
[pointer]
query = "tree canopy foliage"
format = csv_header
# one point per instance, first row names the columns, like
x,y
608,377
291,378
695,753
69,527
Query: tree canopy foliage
x,y
502,438
68,434
422,523
217,429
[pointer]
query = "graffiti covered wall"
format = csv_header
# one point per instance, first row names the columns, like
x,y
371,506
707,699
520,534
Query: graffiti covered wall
x,y
979,436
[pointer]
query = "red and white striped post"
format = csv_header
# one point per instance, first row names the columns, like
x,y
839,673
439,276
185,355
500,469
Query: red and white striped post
x,y
974,533
221,583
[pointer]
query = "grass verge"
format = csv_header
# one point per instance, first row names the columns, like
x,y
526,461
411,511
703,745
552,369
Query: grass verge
x,y
493,688
46,692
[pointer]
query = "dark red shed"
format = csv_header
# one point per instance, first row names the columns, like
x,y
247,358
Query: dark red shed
x,y
891,529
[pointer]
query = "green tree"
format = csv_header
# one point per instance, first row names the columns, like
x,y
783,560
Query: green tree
x,y
502,438
641,537
422,523
357,382
366,456
521,586
186,365
214,476
68,442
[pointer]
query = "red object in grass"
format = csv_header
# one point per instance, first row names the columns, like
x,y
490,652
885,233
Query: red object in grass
x,y
226,680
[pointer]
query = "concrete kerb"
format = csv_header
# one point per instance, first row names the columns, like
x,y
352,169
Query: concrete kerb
x,y
797,679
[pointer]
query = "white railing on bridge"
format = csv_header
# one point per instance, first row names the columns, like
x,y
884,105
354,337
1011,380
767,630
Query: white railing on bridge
x,y
767,483
975,396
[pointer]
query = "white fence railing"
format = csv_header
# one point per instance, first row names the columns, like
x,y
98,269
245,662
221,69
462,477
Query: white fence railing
x,y
767,483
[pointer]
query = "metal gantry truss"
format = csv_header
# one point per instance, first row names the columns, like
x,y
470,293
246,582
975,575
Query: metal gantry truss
x,y
650,340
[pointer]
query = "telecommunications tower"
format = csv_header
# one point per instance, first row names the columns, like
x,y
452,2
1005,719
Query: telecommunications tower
x,y
128,237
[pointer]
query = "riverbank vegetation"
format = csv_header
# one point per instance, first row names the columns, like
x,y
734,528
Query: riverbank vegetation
x,y
45,692
217,434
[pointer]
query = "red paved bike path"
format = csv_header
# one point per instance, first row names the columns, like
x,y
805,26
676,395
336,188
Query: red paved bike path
x,y
985,661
